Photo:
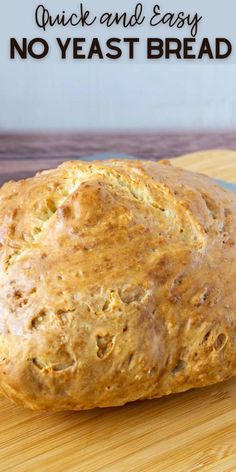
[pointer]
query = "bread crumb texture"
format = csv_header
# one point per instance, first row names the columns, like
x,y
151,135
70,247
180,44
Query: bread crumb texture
x,y
117,283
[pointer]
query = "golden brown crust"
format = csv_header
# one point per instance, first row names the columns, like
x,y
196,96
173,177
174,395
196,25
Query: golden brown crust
x,y
117,283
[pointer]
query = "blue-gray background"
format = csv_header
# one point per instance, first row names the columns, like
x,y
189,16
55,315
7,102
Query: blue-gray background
x,y
58,95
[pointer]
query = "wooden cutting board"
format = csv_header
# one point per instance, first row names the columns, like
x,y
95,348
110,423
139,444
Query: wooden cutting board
x,y
190,432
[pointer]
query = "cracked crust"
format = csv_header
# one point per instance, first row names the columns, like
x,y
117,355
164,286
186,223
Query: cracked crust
x,y
117,283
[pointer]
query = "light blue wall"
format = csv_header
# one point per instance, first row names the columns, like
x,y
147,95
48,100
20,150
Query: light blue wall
x,y
55,94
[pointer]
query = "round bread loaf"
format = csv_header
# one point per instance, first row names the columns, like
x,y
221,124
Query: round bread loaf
x,y
117,283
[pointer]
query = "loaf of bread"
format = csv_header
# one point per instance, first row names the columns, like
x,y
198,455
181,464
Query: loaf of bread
x,y
117,283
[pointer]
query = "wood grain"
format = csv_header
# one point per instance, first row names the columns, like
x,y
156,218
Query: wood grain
x,y
22,155
182,433
190,432
216,163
